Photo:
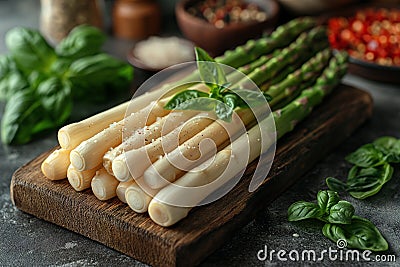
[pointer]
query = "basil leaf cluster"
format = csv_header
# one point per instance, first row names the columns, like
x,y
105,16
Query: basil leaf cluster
x,y
372,168
220,99
40,83
340,221
329,208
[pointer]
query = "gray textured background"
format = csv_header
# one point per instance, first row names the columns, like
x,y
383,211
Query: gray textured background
x,y
28,241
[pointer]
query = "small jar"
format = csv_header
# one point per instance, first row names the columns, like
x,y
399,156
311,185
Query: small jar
x,y
136,19
59,17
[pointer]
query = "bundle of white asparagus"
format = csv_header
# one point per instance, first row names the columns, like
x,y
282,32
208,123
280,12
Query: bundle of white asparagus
x,y
140,166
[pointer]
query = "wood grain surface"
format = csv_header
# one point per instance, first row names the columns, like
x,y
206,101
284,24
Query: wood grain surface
x,y
206,228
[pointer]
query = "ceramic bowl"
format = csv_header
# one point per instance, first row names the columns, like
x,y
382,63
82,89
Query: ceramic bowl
x,y
216,40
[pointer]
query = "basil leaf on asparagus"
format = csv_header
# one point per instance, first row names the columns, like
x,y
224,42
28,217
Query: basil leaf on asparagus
x,y
220,98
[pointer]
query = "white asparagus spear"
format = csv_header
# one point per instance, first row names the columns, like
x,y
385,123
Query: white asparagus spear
x,y
90,152
194,151
70,136
55,166
133,163
195,186
121,188
147,135
104,185
80,180
138,196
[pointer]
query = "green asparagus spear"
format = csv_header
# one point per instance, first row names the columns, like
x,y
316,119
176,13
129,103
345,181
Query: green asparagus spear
x,y
307,72
288,55
287,117
253,49
246,69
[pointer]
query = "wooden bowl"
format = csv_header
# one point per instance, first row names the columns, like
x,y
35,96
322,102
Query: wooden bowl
x,y
216,40
313,7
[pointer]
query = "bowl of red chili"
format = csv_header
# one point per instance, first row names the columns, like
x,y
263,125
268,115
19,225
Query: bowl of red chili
x,y
371,36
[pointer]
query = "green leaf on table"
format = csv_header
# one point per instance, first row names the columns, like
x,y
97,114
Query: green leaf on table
x,y
366,156
390,147
98,75
366,182
335,184
360,234
23,117
56,99
11,79
82,41
326,199
341,213
30,50
302,210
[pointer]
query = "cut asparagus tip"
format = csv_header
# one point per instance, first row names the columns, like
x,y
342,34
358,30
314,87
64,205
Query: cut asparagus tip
x,y
48,171
63,139
77,161
74,179
157,214
120,170
154,179
137,199
99,192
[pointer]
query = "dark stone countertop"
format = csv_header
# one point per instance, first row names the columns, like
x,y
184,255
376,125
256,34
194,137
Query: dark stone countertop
x,y
28,241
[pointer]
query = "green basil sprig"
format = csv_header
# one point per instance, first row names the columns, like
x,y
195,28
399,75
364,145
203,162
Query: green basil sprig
x,y
328,209
221,99
40,82
340,221
371,170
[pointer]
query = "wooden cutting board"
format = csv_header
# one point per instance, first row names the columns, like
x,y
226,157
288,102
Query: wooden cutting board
x,y
206,228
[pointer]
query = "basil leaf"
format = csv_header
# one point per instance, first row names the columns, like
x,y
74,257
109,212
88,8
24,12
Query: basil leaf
x,y
29,49
366,182
178,99
224,111
326,199
210,71
335,184
389,146
23,118
201,103
341,213
12,83
360,234
250,97
96,75
302,210
82,41
366,156
56,99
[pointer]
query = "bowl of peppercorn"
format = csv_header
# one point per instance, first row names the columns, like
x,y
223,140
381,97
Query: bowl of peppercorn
x,y
218,25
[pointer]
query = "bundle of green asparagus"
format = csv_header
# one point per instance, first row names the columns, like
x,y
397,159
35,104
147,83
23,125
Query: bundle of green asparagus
x,y
293,65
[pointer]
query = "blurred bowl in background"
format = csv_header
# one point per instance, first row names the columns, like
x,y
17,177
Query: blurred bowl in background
x,y
216,40
313,7
157,53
